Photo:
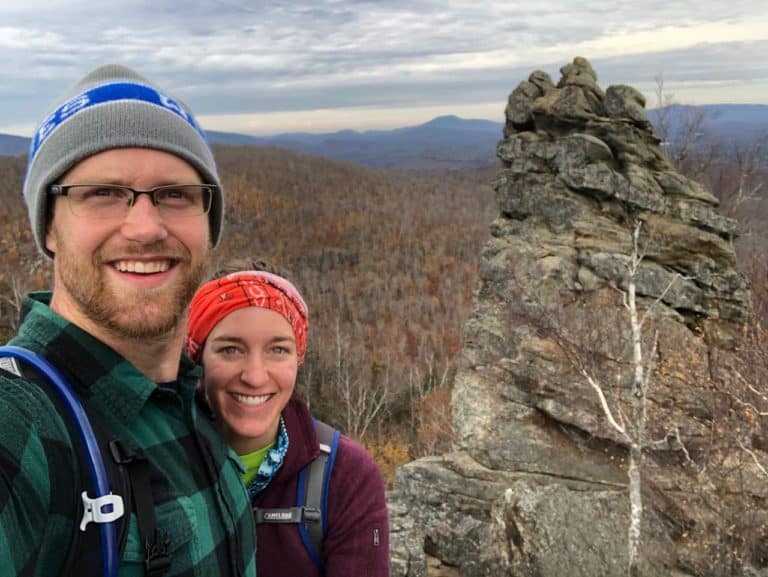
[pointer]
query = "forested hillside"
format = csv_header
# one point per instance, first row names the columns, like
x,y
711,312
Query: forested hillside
x,y
386,261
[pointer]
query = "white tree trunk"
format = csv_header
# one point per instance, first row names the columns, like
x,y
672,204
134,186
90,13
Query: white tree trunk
x,y
638,436
634,474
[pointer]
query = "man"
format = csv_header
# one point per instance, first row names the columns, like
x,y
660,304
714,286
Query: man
x,y
123,195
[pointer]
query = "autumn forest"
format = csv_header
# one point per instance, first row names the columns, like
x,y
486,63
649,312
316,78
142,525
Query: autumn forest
x,y
387,262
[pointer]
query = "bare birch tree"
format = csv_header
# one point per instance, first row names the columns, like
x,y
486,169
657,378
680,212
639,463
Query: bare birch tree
x,y
683,132
632,428
637,435
362,400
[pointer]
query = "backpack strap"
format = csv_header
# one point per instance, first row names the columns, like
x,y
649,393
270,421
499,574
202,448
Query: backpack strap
x,y
156,543
310,512
105,507
85,553
314,481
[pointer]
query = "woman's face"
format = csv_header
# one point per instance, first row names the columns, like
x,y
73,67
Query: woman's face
x,y
250,364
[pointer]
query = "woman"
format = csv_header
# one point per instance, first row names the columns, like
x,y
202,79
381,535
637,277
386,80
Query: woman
x,y
249,332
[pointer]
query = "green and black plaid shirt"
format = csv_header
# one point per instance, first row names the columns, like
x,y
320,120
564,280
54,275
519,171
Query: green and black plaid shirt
x,y
201,502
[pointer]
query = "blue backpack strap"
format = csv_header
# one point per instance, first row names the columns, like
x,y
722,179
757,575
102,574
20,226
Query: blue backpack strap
x,y
312,492
104,508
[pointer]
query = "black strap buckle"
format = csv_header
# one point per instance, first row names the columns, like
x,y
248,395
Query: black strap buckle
x,y
123,453
157,558
311,514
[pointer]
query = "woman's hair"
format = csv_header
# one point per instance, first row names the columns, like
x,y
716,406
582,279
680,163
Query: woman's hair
x,y
238,264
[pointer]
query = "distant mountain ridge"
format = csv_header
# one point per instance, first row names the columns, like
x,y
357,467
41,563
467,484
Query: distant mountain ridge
x,y
11,145
729,121
445,142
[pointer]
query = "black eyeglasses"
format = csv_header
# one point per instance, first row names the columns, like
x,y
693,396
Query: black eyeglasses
x,y
114,200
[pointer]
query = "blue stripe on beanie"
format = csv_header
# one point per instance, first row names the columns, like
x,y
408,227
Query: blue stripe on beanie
x,y
101,95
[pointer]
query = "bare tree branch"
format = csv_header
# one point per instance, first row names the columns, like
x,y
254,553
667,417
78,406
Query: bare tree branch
x,y
751,453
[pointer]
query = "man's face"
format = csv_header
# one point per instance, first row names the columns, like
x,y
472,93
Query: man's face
x,y
132,276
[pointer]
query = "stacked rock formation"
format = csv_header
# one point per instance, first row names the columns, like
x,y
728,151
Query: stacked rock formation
x,y
537,483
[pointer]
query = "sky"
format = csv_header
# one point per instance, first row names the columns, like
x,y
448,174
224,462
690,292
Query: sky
x,y
324,65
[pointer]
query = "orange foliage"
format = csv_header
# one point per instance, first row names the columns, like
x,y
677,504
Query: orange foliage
x,y
389,455
388,256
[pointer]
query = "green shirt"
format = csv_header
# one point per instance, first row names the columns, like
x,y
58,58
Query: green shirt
x,y
200,501
252,462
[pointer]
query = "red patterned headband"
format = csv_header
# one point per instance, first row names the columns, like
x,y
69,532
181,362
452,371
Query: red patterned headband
x,y
217,298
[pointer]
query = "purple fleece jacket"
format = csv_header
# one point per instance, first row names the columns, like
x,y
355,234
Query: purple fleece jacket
x,y
357,539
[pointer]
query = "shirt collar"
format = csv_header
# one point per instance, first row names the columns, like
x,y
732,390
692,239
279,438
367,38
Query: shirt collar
x,y
101,377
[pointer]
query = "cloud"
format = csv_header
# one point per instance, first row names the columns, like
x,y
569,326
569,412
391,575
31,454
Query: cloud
x,y
227,57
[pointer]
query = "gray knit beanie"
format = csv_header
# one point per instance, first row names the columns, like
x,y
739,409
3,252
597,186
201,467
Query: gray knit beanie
x,y
113,107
